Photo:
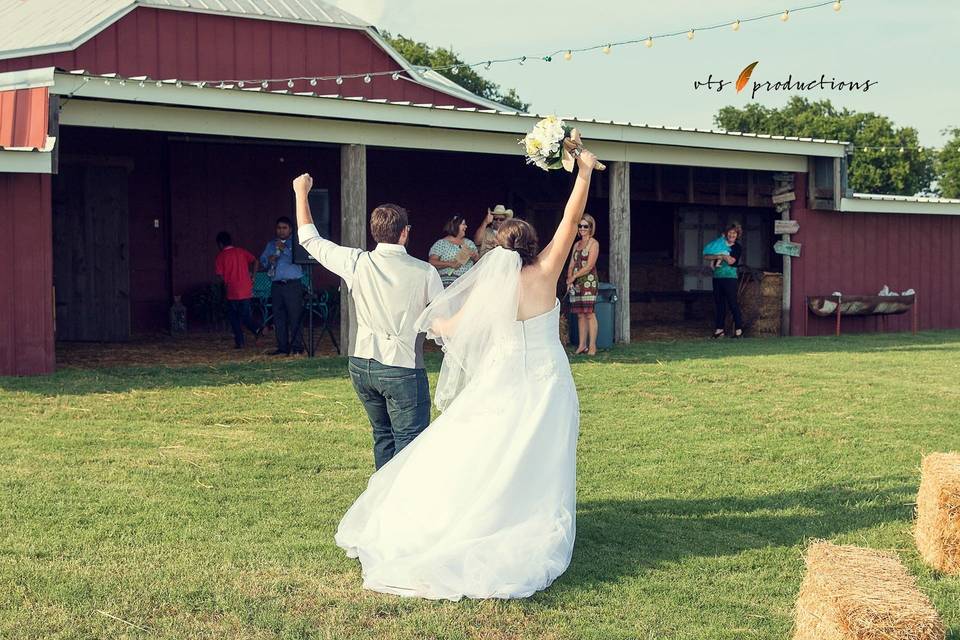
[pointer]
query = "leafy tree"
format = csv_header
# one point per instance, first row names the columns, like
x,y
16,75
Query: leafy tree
x,y
878,170
948,166
422,54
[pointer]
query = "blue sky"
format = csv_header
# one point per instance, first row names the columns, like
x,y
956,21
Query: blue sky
x,y
909,47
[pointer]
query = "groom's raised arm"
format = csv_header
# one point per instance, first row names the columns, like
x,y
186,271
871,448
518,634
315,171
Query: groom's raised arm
x,y
340,260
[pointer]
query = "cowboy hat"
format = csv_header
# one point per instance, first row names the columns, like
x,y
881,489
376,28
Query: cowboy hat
x,y
500,210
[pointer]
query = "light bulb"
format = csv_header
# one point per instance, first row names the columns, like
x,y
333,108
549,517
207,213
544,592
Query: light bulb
x,y
179,85
339,80
313,82
123,83
264,84
836,5
159,84
736,26
290,84
107,82
607,49
690,34
547,58
785,15
568,55
367,79
142,84
240,84
648,42
487,66
396,75
222,85
454,69
523,59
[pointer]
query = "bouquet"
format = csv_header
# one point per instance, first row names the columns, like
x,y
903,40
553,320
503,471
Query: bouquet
x,y
553,145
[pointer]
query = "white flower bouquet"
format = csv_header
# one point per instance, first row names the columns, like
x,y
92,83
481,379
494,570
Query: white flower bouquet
x,y
553,145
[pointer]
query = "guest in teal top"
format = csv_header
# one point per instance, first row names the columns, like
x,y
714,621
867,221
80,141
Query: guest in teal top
x,y
454,254
726,283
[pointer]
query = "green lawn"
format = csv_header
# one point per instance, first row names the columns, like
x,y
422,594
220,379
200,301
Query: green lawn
x,y
201,502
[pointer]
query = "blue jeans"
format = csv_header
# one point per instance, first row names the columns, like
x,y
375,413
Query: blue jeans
x,y
397,401
240,316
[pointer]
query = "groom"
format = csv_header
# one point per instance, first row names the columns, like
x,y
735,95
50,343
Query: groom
x,y
390,290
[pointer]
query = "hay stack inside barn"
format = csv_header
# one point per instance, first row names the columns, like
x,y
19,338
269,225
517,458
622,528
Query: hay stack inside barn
x,y
852,593
937,529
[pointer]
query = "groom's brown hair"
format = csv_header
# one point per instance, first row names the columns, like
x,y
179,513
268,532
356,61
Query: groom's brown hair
x,y
387,222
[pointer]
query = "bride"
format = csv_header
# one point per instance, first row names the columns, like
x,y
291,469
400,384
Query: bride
x,y
483,503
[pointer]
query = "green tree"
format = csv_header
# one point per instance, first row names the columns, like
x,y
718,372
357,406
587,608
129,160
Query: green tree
x,y
878,170
948,165
422,54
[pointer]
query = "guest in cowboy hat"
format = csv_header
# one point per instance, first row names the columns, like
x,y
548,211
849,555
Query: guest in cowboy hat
x,y
486,235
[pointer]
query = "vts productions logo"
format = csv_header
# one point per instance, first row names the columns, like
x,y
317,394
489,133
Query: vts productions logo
x,y
787,84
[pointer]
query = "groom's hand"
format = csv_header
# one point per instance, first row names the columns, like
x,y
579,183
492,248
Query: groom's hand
x,y
302,184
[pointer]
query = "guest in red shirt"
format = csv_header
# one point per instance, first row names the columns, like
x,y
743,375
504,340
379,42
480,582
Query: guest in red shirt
x,y
236,266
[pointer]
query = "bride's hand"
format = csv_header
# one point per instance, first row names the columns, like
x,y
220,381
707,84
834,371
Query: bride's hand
x,y
586,161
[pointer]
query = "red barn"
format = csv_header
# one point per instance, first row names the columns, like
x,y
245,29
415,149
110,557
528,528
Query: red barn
x,y
131,131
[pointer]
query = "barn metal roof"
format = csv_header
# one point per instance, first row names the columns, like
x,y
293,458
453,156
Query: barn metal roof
x,y
50,26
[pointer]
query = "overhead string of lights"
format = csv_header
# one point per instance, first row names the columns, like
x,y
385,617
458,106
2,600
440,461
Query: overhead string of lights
x,y
891,148
454,69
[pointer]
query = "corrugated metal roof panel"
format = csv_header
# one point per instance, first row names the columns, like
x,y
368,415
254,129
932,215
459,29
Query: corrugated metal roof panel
x,y
24,117
46,26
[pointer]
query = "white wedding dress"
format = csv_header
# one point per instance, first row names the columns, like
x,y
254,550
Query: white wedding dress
x,y
483,503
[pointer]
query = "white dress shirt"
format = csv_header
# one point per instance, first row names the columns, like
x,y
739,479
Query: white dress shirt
x,y
390,290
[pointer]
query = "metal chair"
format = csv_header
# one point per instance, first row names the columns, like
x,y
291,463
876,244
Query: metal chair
x,y
262,287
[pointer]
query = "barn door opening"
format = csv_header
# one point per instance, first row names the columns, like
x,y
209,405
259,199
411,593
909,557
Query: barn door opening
x,y
91,265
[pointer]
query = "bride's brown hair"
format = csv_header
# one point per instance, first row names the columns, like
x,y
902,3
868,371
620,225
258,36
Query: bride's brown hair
x,y
520,236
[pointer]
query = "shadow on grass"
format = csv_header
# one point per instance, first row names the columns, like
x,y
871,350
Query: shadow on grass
x,y
617,539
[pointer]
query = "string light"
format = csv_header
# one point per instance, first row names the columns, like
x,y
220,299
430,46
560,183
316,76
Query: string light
x,y
159,84
179,84
142,84
567,53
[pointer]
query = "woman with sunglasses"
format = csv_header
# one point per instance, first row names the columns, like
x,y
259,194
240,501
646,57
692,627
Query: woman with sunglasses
x,y
455,253
583,284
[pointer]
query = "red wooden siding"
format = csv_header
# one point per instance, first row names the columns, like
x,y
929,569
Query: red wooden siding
x,y
859,253
23,117
26,275
193,46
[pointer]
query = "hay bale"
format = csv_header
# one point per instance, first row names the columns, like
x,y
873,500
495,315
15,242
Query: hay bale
x,y
852,593
771,285
937,529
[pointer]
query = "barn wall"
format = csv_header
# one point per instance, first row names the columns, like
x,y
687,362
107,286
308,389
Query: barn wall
x,y
242,189
26,275
192,46
859,253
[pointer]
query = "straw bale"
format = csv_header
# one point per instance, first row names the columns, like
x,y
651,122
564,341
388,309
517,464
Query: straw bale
x,y
937,527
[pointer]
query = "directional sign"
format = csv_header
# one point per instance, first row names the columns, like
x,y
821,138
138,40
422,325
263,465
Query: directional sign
x,y
785,248
784,197
785,226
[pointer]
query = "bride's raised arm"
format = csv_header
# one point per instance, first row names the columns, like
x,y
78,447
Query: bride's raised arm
x,y
554,255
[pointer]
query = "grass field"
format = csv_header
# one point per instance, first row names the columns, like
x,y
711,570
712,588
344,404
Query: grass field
x,y
201,502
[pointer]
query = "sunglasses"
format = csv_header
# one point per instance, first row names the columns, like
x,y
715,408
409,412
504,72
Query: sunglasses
x,y
583,226
499,218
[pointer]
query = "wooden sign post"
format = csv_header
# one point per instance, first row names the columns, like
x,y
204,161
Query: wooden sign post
x,y
786,248
781,227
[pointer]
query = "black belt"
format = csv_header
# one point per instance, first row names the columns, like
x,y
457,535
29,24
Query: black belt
x,y
285,281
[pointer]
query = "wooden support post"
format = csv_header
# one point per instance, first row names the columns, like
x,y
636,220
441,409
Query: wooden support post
x,y
785,306
353,228
620,247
